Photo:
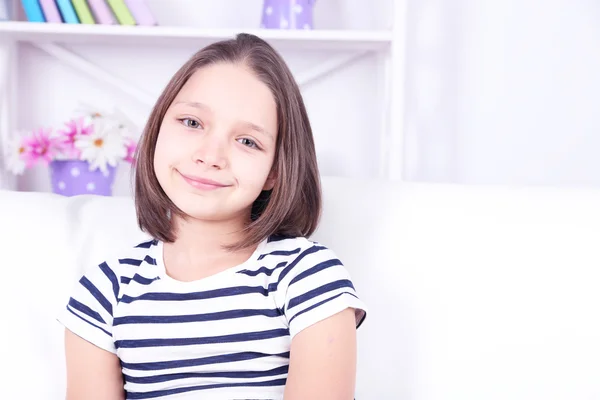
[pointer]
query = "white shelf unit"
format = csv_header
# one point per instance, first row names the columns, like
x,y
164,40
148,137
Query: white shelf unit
x,y
167,35
54,39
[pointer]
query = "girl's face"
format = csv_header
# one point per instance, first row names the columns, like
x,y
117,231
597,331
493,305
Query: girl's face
x,y
216,144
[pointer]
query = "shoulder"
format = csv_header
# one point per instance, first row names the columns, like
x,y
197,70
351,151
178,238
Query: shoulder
x,y
313,284
299,258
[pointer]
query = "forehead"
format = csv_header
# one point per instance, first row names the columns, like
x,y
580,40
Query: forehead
x,y
231,91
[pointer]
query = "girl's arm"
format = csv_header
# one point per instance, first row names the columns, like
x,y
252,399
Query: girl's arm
x,y
92,373
323,360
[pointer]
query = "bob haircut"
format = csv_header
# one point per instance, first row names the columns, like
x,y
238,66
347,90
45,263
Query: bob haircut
x,y
293,207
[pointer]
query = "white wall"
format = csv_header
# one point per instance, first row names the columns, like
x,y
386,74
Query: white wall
x,y
505,92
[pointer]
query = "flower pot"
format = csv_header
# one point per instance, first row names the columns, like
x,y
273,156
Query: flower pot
x,y
73,177
287,14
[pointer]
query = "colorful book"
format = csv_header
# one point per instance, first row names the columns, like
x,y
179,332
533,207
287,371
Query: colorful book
x,y
50,11
140,11
101,12
33,10
67,11
83,12
121,12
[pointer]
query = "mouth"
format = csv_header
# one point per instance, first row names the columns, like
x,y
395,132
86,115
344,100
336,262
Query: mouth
x,y
202,183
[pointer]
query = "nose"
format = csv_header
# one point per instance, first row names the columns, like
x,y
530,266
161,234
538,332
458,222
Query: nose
x,y
211,152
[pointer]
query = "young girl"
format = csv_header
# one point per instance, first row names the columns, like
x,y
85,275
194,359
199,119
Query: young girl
x,y
229,300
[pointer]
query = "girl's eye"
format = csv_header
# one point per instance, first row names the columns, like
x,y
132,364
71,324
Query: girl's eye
x,y
190,123
248,142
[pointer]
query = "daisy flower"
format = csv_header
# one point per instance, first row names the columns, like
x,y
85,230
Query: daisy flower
x,y
126,125
15,161
73,129
103,147
40,147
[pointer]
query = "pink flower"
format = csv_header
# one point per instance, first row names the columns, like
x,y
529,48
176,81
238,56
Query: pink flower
x,y
67,136
131,146
40,147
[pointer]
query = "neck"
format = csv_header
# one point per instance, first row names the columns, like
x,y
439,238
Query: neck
x,y
206,237
199,251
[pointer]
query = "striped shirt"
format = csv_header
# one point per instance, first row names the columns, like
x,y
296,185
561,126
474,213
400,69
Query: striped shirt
x,y
226,336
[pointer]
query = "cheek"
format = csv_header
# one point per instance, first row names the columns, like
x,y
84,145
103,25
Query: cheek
x,y
254,173
168,149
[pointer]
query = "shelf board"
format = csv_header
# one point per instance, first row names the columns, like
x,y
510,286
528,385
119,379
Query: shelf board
x,y
184,36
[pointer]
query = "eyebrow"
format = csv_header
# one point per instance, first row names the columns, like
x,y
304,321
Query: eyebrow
x,y
246,124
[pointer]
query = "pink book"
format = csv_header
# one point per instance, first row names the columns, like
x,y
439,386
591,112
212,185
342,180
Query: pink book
x,y
102,13
50,10
140,11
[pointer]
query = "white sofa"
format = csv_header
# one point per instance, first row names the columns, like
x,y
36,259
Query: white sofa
x,y
474,292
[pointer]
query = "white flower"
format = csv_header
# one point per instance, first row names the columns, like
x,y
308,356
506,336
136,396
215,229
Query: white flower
x,y
14,161
128,127
105,146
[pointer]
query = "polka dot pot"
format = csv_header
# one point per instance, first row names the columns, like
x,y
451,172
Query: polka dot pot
x,y
73,177
287,14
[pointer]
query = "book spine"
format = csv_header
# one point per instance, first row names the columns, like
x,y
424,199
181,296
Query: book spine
x,y
121,12
140,11
83,11
67,11
102,13
33,11
50,11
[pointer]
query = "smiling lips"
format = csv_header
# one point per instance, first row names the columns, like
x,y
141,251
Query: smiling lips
x,y
201,183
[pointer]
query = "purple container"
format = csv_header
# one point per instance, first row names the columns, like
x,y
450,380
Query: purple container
x,y
287,14
73,177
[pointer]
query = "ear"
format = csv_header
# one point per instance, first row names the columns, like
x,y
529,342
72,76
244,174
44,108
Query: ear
x,y
270,182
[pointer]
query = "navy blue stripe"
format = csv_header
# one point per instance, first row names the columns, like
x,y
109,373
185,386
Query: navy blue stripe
x,y
317,268
188,375
209,294
112,277
142,280
130,261
97,294
150,260
280,253
238,337
342,283
224,358
310,250
176,319
139,279
88,322
147,245
169,392
86,310
318,304
263,270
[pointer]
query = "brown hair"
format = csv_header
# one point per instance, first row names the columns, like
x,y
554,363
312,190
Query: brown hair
x,y
293,206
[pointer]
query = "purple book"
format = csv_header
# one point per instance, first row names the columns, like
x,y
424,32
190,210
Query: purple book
x,y
102,13
140,11
50,10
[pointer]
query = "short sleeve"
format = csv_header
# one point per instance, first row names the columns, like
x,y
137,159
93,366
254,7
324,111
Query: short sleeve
x,y
89,312
317,286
